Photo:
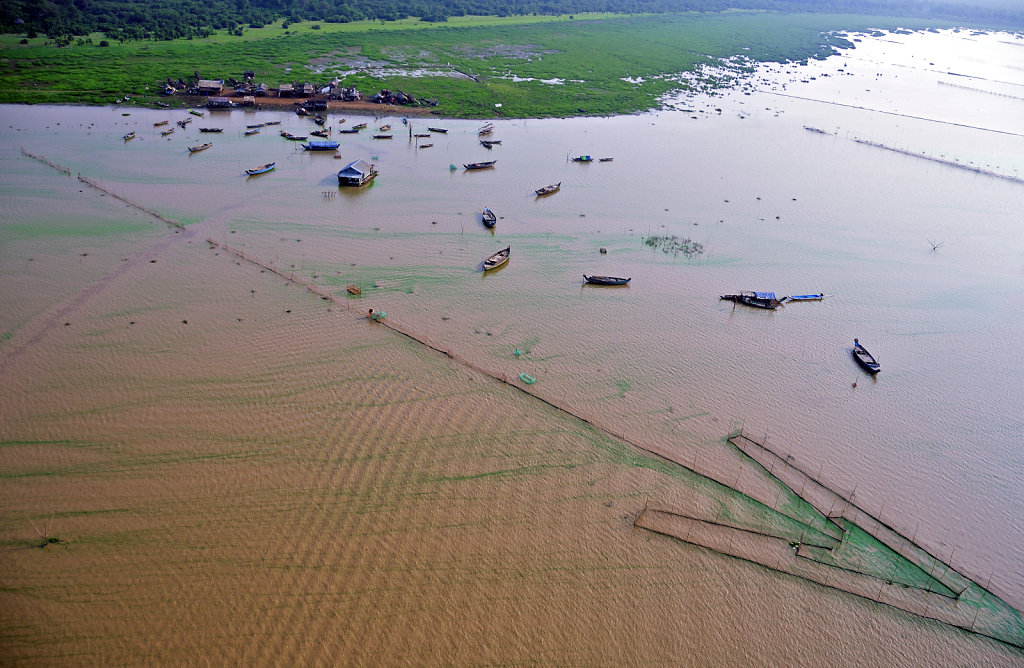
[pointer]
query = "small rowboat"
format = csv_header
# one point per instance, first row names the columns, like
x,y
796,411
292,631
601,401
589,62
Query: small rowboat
x,y
261,170
605,159
350,131
865,359
479,165
255,125
498,259
130,135
606,280
487,129
354,290
359,126
254,131
195,113
272,123
319,120
159,123
441,130
422,134
167,132
211,129
319,133
527,378
805,298
382,136
200,147
489,218
547,190
583,158
184,122
288,135
487,143
425,145
384,128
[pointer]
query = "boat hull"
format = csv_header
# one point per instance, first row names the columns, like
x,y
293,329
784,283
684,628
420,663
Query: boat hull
x,y
606,280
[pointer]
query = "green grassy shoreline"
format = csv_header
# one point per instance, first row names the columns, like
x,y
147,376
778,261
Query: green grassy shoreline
x,y
603,64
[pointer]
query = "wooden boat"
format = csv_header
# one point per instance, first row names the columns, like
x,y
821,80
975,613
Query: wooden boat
x,y
480,165
272,123
130,135
167,132
159,123
547,190
255,125
765,300
354,290
211,129
441,130
319,133
254,131
425,145
359,126
319,120
322,145
865,359
804,298
200,147
350,131
301,111
382,136
489,218
489,144
606,280
195,113
384,128
296,137
605,159
485,130
583,158
261,170
184,122
422,134
498,259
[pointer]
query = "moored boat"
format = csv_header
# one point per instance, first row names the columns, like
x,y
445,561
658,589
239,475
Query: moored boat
x,y
323,145
130,135
865,359
255,125
382,136
765,300
498,259
547,190
489,218
349,131
359,126
605,159
159,123
254,131
273,123
211,129
384,128
200,147
441,130
319,120
167,132
422,134
425,145
606,280
184,122
479,165
488,143
583,158
195,113
804,298
319,133
261,170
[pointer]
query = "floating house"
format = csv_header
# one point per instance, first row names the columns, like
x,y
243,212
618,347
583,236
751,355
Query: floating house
x,y
357,173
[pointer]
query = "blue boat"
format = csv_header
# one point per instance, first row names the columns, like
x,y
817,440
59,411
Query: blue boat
x,y
865,359
322,145
489,218
261,170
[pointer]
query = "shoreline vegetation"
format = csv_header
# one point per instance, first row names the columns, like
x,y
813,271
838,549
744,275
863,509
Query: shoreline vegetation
x,y
475,67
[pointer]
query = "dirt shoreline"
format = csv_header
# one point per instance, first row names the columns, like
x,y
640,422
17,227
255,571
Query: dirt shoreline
x,y
333,106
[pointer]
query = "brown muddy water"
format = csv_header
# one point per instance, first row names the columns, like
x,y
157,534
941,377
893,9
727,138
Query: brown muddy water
x,y
234,470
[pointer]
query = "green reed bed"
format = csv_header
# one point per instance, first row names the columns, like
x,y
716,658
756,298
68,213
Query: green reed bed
x,y
570,64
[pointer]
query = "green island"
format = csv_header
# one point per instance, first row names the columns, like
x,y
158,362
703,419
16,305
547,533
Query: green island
x,y
472,66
